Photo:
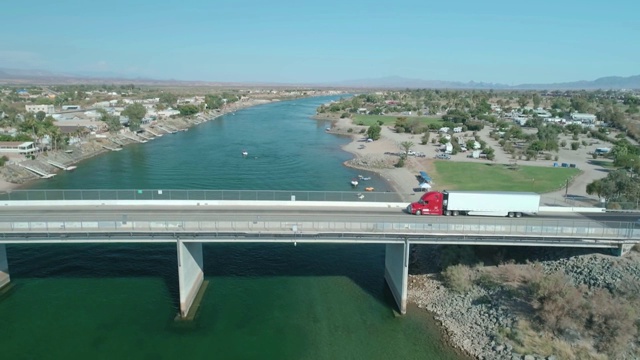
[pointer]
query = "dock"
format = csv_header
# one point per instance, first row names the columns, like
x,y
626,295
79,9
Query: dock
x,y
133,138
166,130
61,166
147,129
116,141
110,148
145,138
40,173
172,128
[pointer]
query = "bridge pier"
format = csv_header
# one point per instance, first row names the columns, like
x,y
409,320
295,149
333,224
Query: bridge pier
x,y
190,274
396,272
623,249
4,267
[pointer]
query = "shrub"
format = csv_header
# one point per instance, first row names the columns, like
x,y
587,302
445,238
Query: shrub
x,y
612,322
400,162
345,115
560,305
350,130
362,131
458,278
486,281
575,145
563,143
425,138
555,158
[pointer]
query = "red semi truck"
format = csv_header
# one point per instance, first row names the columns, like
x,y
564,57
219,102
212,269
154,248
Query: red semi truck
x,y
484,203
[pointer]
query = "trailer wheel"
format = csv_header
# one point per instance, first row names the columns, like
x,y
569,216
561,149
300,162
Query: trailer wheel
x,y
510,214
447,213
518,214
418,212
455,213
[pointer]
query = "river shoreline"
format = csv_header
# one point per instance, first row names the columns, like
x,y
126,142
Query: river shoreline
x,y
14,177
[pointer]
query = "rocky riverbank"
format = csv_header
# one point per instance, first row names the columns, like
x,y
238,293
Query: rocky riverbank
x,y
490,321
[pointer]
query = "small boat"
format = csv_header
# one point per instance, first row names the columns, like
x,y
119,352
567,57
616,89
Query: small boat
x,y
369,188
364,178
245,153
354,182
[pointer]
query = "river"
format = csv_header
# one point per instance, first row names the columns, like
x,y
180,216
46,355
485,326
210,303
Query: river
x,y
263,302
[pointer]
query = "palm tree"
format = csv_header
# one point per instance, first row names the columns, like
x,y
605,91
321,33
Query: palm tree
x,y
406,146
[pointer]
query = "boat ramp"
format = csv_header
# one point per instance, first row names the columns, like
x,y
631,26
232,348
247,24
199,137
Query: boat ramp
x,y
38,172
110,148
61,166
134,138
152,132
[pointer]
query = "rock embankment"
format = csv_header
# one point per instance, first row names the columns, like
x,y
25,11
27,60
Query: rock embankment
x,y
371,161
477,320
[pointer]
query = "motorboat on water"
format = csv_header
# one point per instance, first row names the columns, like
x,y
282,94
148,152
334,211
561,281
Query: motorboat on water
x,y
245,153
364,178
369,188
354,182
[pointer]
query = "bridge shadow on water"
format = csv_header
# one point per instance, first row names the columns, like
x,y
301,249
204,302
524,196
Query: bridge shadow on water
x,y
362,264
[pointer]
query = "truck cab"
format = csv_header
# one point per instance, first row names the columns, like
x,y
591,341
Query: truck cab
x,y
429,204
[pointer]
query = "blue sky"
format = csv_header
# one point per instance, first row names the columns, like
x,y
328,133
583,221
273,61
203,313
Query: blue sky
x,y
509,42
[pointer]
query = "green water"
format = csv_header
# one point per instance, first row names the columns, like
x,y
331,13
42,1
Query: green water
x,y
264,301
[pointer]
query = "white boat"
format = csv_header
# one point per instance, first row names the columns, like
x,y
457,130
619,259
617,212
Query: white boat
x,y
364,178
245,153
354,182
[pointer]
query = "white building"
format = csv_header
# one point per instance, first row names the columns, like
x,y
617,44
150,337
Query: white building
x,y
18,147
583,118
542,113
47,109
520,120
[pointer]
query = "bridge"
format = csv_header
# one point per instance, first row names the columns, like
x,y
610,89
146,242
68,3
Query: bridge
x,y
114,216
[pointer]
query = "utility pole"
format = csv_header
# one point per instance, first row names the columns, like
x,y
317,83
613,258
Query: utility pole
x,y
566,189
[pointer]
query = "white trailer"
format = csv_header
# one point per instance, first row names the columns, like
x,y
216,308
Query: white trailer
x,y
448,148
490,203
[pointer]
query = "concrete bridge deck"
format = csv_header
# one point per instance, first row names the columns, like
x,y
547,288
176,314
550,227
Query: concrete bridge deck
x,y
190,223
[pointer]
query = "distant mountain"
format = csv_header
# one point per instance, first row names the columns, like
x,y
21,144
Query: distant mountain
x,y
21,76
403,83
605,83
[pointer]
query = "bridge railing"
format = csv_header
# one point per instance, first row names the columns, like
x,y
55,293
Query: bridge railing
x,y
201,195
290,226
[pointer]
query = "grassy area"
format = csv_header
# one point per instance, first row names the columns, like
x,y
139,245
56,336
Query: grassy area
x,y
369,120
452,175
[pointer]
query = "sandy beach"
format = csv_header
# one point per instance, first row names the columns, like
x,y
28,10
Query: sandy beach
x,y
372,157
